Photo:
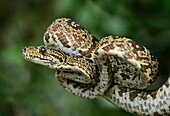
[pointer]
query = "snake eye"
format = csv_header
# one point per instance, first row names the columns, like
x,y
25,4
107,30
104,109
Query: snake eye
x,y
42,49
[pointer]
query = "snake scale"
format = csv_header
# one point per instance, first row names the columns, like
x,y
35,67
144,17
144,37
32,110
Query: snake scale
x,y
115,68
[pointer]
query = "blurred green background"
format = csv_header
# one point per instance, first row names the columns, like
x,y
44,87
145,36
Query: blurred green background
x,y
27,89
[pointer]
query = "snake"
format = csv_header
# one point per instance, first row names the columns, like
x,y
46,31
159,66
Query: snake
x,y
116,68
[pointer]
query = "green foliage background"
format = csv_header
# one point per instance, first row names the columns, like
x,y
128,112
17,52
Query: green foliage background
x,y
27,89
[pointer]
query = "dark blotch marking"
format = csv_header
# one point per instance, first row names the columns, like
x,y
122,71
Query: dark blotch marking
x,y
124,76
79,74
68,72
161,89
123,90
153,94
165,93
135,44
47,37
55,26
74,25
156,114
144,97
108,47
133,95
93,46
167,84
62,39
84,87
54,38
115,37
58,71
58,57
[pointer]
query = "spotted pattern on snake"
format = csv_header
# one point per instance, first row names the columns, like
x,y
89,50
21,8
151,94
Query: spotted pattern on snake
x,y
121,47
70,37
76,74
122,69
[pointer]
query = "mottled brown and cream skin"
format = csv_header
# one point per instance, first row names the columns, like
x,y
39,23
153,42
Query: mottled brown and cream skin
x,y
119,69
131,61
142,66
76,74
141,102
70,37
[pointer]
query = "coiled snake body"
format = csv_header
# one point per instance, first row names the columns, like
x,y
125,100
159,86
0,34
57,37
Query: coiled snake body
x,y
116,68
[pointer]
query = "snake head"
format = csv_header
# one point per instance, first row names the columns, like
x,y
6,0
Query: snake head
x,y
44,55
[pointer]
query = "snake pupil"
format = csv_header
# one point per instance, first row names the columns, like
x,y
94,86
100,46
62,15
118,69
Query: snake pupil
x,y
42,49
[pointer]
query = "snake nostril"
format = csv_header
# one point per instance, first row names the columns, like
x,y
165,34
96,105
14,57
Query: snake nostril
x,y
24,49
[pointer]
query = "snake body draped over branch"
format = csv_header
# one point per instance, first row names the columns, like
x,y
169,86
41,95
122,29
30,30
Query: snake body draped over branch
x,y
115,68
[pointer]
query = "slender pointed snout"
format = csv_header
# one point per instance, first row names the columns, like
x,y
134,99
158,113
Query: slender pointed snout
x,y
44,55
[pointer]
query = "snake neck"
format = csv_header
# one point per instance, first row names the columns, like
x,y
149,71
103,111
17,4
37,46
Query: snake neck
x,y
76,74
101,82
78,69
